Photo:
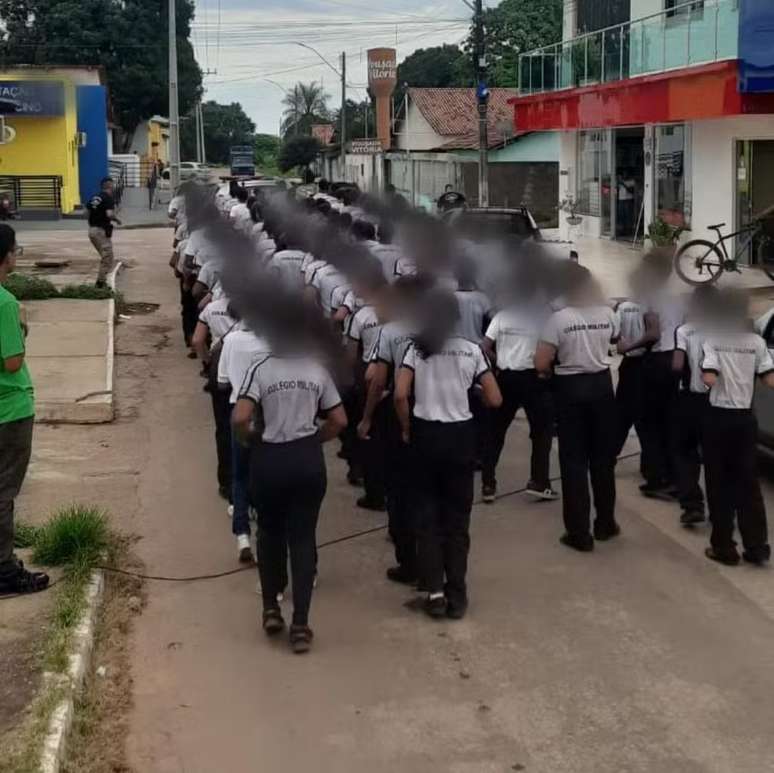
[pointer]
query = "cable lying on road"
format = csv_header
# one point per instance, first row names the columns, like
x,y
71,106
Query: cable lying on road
x,y
251,568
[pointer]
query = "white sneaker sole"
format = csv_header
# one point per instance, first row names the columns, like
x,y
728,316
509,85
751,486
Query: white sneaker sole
x,y
546,496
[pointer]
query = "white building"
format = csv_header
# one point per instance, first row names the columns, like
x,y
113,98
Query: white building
x,y
665,110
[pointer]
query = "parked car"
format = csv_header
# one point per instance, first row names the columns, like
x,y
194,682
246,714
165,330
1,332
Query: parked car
x,y
507,222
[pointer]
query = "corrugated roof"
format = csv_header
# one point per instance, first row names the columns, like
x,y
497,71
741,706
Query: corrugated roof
x,y
453,114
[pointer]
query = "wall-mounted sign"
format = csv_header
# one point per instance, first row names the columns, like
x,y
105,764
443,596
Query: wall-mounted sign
x,y
42,98
323,132
364,147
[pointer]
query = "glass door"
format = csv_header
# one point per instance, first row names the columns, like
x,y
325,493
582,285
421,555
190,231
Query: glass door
x,y
744,210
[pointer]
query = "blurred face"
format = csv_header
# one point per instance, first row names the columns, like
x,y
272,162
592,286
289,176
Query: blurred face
x,y
9,262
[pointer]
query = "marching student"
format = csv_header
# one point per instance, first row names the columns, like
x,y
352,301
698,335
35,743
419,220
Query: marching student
x,y
282,396
510,342
362,333
216,321
733,357
241,350
438,370
380,429
665,312
239,214
635,326
574,348
691,403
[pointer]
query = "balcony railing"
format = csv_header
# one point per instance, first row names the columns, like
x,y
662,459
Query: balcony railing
x,y
693,33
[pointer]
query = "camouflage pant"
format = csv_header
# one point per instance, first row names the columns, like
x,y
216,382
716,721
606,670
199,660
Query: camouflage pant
x,y
104,246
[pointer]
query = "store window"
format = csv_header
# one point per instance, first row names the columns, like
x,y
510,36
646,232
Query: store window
x,y
593,153
674,174
675,8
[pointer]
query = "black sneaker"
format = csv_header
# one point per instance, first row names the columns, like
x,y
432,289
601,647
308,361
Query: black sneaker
x,y
301,639
541,491
456,610
581,544
757,556
725,557
692,517
435,607
401,575
603,534
366,504
273,622
23,582
658,490
489,494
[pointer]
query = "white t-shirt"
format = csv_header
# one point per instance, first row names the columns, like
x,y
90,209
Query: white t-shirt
x,y
631,324
215,315
388,255
311,268
474,306
364,327
515,334
582,338
329,283
209,274
200,248
241,350
291,392
690,339
737,359
240,216
287,263
442,381
671,314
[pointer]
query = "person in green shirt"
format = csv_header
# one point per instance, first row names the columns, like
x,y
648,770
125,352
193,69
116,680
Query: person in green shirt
x,y
17,410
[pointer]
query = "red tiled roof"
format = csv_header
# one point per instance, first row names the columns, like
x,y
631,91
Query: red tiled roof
x,y
453,114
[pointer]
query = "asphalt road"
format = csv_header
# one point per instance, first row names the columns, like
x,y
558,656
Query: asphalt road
x,y
641,657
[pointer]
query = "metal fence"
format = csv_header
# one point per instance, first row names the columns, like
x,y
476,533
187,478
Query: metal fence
x,y
684,35
32,191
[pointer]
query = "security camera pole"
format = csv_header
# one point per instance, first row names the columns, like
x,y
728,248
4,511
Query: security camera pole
x,y
482,98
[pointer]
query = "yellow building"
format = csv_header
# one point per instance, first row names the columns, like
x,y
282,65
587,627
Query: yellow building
x,y
53,138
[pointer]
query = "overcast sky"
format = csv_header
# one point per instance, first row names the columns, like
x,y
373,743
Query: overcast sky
x,y
254,40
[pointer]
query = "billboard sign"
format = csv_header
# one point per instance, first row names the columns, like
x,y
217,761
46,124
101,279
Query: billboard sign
x,y
323,132
365,147
41,98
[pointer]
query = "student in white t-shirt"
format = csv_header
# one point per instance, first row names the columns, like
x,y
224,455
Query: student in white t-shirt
x,y
510,342
439,369
240,212
574,350
734,358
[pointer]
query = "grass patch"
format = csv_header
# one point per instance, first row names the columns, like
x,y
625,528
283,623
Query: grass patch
x,y
75,538
33,288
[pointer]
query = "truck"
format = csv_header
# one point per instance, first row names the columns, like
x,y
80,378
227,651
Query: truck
x,y
242,161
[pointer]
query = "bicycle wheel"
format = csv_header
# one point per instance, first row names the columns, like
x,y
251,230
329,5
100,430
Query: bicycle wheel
x,y
699,262
766,255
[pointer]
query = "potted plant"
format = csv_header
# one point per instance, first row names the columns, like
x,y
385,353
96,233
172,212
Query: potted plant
x,y
570,206
662,234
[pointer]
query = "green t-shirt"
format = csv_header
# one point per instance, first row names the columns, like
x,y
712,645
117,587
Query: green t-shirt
x,y
16,394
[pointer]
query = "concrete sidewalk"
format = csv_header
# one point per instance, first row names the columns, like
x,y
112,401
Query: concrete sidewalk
x,y
70,356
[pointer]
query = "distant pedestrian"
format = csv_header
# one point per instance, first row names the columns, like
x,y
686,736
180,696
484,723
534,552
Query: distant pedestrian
x,y
17,410
152,183
102,215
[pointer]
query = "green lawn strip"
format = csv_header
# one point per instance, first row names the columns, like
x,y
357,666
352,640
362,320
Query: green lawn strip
x,y
32,288
75,538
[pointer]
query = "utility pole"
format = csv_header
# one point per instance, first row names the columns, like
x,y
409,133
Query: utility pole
x,y
198,134
482,99
201,129
174,113
343,129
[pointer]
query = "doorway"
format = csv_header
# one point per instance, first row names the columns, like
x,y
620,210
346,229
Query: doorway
x,y
754,183
628,186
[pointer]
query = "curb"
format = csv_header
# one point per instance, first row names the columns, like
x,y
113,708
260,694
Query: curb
x,y
55,743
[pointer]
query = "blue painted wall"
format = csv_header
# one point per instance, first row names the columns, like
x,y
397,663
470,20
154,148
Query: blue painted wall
x,y
92,119
756,49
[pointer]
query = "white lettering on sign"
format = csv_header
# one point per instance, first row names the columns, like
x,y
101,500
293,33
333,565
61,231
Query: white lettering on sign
x,y
382,69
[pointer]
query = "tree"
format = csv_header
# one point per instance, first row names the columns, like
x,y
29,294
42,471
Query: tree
x,y
356,113
298,153
224,126
437,67
515,27
305,104
127,37
267,149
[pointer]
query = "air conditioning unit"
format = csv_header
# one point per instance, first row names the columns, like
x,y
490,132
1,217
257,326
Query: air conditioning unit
x,y
80,139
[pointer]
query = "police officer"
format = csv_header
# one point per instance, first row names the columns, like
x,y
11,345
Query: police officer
x,y
575,348
438,370
283,394
733,357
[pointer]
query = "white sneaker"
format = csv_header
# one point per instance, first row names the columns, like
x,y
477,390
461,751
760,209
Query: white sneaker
x,y
548,494
244,549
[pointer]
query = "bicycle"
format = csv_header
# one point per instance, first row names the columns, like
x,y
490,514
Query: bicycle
x,y
703,262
